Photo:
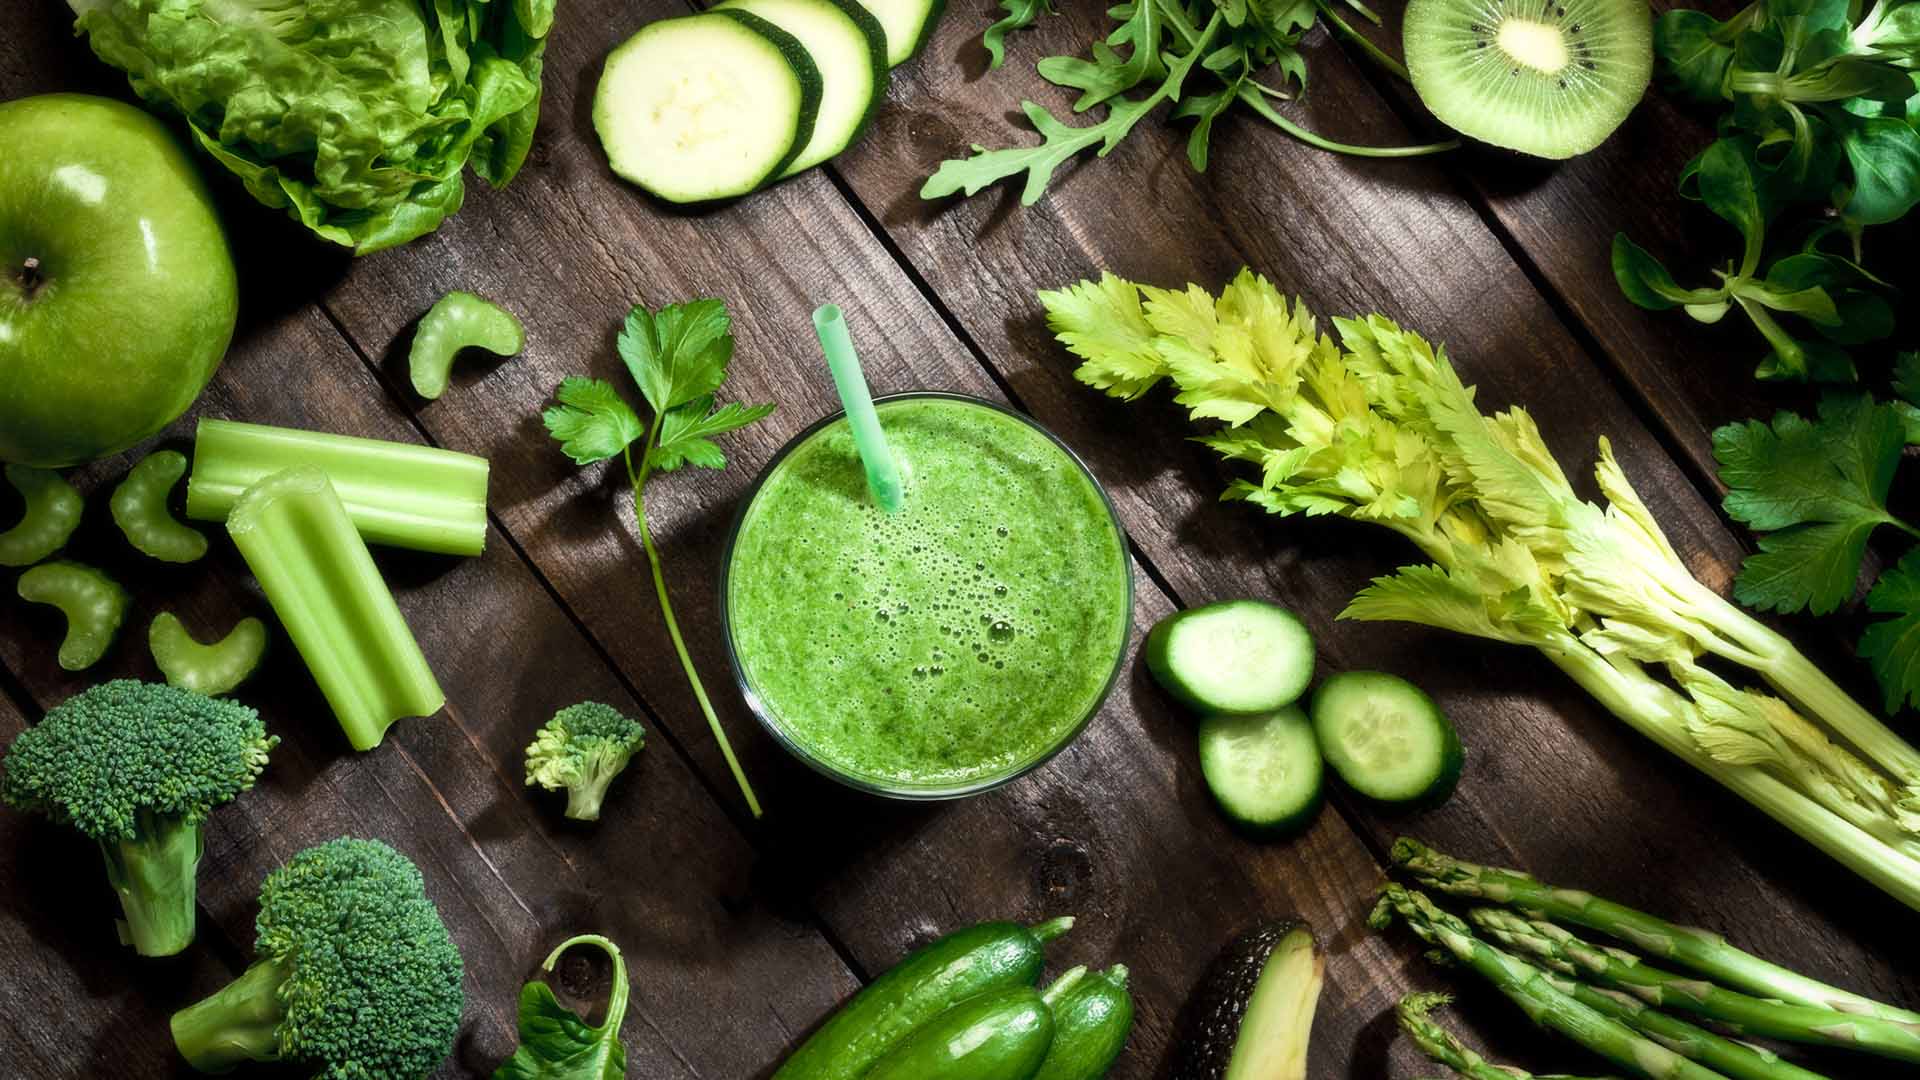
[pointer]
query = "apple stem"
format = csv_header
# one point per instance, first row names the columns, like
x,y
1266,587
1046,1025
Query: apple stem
x,y
30,277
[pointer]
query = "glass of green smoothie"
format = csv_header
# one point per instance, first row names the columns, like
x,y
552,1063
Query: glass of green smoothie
x,y
948,647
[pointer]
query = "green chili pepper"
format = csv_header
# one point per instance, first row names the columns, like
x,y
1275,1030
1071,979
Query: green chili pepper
x,y
140,509
460,320
209,669
93,603
53,512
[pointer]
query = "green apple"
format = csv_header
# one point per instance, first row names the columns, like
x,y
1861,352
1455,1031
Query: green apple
x,y
117,293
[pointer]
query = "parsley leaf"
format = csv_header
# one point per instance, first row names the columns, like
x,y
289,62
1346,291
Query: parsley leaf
x,y
678,357
558,1044
678,354
592,422
1892,646
686,432
1818,489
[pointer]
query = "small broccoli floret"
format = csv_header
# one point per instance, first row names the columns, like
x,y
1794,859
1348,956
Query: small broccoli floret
x,y
582,749
138,767
357,977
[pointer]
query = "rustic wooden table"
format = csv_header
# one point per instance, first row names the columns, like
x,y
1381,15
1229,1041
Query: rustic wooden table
x,y
742,936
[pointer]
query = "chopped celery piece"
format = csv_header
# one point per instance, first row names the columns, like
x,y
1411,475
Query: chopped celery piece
x,y
397,494
295,534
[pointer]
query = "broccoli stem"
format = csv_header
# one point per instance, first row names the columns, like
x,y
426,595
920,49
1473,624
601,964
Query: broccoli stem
x,y
154,875
585,795
238,1024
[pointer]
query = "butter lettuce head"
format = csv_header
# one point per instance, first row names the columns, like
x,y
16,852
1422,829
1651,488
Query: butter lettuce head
x,y
355,116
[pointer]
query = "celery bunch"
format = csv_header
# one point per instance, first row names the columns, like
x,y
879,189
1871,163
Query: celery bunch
x,y
1380,428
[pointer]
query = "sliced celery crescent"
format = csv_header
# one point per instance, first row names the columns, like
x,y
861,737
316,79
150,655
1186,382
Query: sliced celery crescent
x,y
297,538
397,494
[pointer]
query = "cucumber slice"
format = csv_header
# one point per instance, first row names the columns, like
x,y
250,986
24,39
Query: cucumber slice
x,y
908,24
706,107
850,49
1238,656
1264,771
1386,738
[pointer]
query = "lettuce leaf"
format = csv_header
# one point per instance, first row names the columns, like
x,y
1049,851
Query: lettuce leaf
x,y
357,117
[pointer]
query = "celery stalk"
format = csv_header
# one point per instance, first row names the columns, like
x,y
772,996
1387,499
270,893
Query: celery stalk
x,y
296,536
397,494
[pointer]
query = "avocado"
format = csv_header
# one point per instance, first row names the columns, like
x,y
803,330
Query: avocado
x,y
1252,1016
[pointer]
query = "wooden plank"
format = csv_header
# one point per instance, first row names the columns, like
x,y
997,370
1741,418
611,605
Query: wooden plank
x,y
665,874
1105,831
1555,785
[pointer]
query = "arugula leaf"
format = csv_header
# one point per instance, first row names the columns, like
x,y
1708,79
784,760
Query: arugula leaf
x,y
679,353
558,1044
592,422
1149,58
1020,14
1892,646
1818,489
685,432
678,357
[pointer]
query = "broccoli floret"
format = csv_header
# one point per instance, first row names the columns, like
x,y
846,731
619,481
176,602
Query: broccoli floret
x,y
138,767
357,977
582,749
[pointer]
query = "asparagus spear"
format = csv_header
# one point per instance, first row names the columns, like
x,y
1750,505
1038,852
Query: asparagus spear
x,y
1445,1048
1737,1060
1700,950
1528,988
1560,949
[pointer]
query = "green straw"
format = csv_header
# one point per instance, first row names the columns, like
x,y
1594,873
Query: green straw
x,y
883,475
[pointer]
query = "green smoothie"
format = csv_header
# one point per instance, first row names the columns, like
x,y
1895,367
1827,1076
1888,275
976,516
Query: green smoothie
x,y
948,645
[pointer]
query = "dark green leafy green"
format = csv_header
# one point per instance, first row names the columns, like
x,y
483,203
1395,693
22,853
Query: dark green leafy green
x,y
1816,489
557,1043
355,116
1202,56
1817,144
1892,646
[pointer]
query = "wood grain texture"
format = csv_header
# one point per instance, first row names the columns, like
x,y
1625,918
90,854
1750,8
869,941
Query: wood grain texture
x,y
728,933
1092,834
666,875
1624,820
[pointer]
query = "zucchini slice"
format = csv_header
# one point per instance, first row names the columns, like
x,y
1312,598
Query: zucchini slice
x,y
908,23
707,106
850,49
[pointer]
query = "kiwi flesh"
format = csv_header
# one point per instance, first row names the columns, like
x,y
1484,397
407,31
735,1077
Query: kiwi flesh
x,y
1551,78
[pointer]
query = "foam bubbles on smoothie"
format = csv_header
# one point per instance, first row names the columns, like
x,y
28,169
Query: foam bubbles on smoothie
x,y
947,607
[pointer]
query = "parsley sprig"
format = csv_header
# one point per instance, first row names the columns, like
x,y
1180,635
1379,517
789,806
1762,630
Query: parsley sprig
x,y
678,358
1165,47
1816,489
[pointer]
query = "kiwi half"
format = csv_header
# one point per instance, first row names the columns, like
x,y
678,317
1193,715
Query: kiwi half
x,y
1552,78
